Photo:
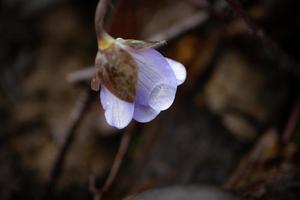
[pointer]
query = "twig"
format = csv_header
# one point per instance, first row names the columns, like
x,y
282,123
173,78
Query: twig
x,y
292,122
76,117
81,75
126,138
179,28
283,59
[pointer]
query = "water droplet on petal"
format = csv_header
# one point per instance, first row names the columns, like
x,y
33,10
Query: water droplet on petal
x,y
162,97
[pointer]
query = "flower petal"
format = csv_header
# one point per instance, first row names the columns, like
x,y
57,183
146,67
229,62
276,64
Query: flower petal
x,y
162,97
157,83
144,114
178,69
118,113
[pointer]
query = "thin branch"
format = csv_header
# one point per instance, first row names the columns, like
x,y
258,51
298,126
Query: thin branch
x,y
123,147
119,157
181,27
81,75
283,59
76,117
99,17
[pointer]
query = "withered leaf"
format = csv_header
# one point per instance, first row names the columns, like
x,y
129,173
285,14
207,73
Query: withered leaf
x,y
139,44
95,83
117,70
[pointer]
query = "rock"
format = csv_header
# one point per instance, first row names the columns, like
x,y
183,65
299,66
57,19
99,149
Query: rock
x,y
238,86
239,126
235,84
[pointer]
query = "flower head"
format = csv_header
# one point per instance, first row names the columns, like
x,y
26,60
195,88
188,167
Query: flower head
x,y
137,82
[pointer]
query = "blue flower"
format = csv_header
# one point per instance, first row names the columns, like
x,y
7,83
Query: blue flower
x,y
157,81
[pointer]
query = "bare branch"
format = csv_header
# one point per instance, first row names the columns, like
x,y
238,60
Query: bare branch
x,y
84,74
179,28
76,117
126,138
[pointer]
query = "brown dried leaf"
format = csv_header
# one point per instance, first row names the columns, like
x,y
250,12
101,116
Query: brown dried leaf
x,y
117,70
95,84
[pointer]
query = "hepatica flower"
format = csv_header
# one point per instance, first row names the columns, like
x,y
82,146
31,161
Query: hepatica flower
x,y
137,82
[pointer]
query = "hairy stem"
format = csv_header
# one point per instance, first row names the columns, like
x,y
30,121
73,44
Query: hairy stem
x,y
99,17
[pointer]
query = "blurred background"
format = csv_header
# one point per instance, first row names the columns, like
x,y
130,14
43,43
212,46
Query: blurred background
x,y
234,126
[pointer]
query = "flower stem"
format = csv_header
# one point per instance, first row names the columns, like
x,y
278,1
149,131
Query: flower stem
x,y
99,17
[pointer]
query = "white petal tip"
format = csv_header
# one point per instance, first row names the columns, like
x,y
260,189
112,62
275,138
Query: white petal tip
x,y
178,69
115,123
118,113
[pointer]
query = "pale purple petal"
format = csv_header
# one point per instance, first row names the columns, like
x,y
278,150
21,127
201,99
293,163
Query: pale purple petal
x,y
162,96
118,113
144,114
178,69
157,83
